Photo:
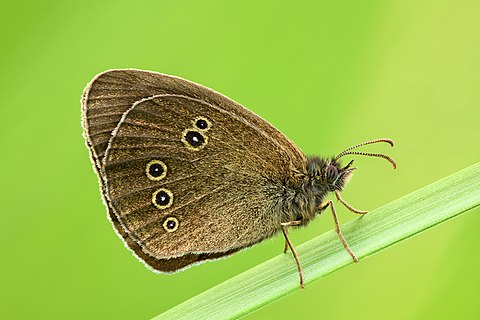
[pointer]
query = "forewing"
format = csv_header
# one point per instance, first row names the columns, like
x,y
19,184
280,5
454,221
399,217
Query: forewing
x,y
111,93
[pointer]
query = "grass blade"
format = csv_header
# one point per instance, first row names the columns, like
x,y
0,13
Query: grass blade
x,y
396,221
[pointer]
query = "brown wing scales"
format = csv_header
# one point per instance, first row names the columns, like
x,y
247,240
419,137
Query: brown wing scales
x,y
221,192
219,207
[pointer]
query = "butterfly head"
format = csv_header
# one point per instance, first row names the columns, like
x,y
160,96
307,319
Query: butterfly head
x,y
331,176
334,176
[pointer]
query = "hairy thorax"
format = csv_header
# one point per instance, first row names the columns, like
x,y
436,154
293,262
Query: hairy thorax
x,y
300,196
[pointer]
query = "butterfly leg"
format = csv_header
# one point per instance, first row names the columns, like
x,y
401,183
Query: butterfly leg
x,y
288,224
337,229
285,248
349,207
295,254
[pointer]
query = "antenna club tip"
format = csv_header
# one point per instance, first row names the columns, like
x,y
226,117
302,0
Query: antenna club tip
x,y
394,164
389,141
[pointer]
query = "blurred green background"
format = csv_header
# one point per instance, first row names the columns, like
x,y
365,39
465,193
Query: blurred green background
x,y
327,74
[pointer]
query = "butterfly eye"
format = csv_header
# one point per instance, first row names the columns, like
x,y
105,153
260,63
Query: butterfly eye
x,y
331,174
193,139
170,224
156,170
202,123
162,198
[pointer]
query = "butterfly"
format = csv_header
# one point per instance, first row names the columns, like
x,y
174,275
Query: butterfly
x,y
189,175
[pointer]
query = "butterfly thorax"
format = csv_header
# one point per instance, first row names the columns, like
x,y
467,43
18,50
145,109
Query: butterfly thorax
x,y
306,191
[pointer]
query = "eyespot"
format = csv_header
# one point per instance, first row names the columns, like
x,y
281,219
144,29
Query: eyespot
x,y
194,139
170,224
162,198
202,123
156,170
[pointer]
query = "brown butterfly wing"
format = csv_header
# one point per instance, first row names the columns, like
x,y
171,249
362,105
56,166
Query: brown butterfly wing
x,y
163,265
111,93
223,192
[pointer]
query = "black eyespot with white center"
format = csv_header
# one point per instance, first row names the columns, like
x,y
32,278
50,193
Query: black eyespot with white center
x,y
193,139
170,224
162,198
156,170
202,123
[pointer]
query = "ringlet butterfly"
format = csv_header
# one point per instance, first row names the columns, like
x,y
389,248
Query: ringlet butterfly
x,y
189,175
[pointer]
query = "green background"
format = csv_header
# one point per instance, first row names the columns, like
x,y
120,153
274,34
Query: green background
x,y
328,74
